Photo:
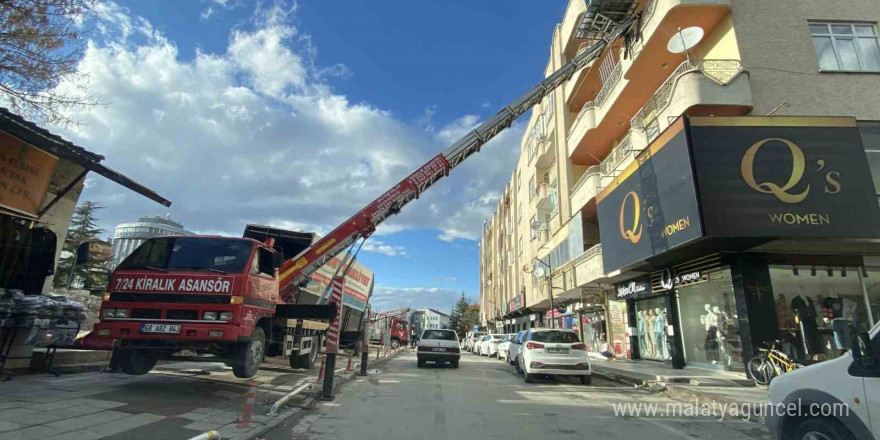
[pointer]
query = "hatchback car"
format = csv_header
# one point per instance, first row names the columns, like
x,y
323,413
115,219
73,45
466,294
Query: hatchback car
x,y
515,347
553,352
505,343
440,346
474,342
489,345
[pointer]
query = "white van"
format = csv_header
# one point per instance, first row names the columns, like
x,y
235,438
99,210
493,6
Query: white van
x,y
835,399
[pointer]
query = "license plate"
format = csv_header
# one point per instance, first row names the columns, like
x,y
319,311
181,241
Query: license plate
x,y
438,349
160,328
557,350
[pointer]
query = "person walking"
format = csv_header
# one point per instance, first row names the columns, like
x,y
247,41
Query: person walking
x,y
412,336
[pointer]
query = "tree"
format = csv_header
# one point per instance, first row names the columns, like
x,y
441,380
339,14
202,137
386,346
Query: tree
x,y
463,316
41,44
83,228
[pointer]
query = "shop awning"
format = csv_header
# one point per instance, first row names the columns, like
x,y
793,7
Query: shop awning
x,y
29,132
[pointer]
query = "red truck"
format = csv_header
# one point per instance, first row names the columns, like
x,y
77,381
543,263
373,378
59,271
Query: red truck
x,y
396,327
190,296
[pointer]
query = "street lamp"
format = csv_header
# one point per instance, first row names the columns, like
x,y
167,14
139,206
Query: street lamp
x,y
541,272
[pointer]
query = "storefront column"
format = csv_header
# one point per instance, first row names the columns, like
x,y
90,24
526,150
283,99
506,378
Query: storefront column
x,y
633,334
674,341
755,309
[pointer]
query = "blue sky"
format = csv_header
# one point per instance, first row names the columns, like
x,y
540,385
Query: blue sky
x,y
298,114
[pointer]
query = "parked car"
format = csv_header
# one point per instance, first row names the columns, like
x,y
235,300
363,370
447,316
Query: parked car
x,y
515,347
440,346
834,399
553,352
505,343
489,345
473,341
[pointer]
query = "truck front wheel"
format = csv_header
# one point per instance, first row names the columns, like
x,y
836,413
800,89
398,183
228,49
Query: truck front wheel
x,y
250,355
395,344
134,362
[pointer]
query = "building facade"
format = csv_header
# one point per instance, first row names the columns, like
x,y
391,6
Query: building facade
x,y
128,236
706,185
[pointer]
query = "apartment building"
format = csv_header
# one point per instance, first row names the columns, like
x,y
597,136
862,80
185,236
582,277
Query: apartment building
x,y
702,187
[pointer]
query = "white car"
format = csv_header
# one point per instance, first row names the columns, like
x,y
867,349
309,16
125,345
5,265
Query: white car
x,y
553,352
489,345
440,346
515,347
503,346
474,341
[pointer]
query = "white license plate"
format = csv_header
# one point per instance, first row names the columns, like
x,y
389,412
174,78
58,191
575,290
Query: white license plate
x,y
160,328
557,350
438,349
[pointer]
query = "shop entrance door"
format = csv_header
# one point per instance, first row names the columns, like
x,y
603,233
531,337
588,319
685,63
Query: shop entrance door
x,y
651,322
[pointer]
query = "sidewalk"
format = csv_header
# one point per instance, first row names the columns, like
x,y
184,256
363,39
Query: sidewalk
x,y
175,401
688,384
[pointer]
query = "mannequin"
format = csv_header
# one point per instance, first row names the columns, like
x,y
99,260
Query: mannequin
x,y
805,317
640,327
710,345
721,336
660,333
649,325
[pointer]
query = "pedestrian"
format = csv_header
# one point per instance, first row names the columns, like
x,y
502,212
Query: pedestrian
x,y
412,337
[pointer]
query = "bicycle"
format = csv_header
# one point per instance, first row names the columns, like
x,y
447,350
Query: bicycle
x,y
770,363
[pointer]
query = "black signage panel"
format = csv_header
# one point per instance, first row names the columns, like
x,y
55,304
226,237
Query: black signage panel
x,y
653,206
783,177
634,288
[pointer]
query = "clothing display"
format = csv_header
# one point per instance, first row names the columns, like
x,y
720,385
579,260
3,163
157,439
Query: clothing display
x,y
27,255
805,312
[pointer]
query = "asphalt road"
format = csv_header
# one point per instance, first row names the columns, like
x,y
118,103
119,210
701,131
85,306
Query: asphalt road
x,y
485,399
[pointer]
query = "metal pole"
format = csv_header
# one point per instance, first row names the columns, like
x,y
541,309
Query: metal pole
x,y
552,308
365,343
329,371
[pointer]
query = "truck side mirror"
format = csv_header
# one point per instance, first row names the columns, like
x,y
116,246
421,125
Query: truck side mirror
x,y
862,351
82,253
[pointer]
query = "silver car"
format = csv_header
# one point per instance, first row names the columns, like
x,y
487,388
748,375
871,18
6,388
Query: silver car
x,y
515,348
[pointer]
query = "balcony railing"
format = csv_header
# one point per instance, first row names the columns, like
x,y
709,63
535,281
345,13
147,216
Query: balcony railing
x,y
617,155
592,170
720,71
589,253
612,81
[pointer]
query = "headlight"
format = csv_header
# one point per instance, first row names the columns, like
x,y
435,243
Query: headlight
x,y
109,313
122,313
210,316
225,316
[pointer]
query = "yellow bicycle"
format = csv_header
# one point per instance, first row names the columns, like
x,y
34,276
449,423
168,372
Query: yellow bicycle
x,y
769,363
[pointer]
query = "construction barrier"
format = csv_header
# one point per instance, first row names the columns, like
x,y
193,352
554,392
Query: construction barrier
x,y
210,435
248,406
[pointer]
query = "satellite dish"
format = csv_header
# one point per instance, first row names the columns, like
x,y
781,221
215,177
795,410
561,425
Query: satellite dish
x,y
540,272
536,224
685,39
527,268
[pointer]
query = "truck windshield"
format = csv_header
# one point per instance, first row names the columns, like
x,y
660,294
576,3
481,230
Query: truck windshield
x,y
184,253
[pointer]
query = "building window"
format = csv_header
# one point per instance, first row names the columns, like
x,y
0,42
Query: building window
x,y
533,227
532,188
554,198
850,47
520,245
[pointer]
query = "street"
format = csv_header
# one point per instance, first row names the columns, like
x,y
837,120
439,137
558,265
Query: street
x,y
484,398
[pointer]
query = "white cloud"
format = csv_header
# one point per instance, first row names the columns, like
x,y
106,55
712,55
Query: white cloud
x,y
207,13
256,134
373,245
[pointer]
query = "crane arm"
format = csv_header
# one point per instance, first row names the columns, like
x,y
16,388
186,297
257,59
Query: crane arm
x,y
295,271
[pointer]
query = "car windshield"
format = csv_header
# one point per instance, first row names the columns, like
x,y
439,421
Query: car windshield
x,y
445,335
557,337
497,336
506,338
190,253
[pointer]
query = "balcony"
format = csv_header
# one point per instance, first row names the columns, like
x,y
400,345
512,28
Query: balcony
x,y
588,266
592,113
574,13
544,152
543,201
699,87
586,188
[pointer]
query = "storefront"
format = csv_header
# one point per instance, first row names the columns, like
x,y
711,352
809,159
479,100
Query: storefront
x,y
730,233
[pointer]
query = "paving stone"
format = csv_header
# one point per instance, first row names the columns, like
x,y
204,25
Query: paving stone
x,y
172,428
14,404
75,435
9,426
202,426
86,421
34,432
42,417
122,425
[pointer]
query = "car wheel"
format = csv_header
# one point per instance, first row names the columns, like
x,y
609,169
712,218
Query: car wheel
x,y
586,380
822,429
250,355
420,363
529,378
454,364
518,369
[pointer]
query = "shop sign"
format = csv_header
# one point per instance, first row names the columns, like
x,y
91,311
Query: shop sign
x,y
667,281
634,288
25,173
515,303
784,177
652,207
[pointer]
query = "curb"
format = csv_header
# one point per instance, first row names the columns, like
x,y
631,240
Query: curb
x,y
684,394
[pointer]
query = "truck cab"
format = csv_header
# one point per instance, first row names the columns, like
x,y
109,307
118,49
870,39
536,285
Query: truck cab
x,y
205,294
838,398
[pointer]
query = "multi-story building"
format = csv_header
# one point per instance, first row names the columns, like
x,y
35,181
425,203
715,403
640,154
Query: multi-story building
x,y
702,187
128,236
